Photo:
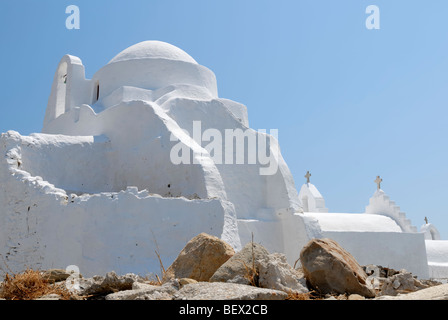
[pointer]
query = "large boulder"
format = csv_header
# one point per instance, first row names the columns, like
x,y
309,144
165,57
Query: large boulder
x,y
276,273
243,267
329,268
200,258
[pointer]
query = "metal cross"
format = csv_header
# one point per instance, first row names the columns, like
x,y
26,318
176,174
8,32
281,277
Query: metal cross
x,y
426,220
307,176
378,181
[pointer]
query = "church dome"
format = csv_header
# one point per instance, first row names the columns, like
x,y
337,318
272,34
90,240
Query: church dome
x,y
153,50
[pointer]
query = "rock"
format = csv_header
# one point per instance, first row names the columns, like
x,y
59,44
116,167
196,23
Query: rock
x,y
200,258
238,269
438,292
55,275
98,285
148,292
329,268
185,281
379,271
276,273
156,295
51,296
355,297
141,285
226,291
403,282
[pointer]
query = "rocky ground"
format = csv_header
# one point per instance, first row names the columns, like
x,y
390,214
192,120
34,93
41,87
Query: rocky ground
x,y
209,269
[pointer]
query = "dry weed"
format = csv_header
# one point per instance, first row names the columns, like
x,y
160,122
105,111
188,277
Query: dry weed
x,y
311,295
30,285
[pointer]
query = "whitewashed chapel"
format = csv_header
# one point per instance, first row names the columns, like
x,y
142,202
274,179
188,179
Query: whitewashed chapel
x,y
99,189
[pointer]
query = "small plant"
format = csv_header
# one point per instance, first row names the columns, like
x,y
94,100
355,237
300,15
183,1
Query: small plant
x,y
251,271
162,268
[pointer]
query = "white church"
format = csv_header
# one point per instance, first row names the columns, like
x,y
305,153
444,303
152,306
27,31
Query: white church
x,y
99,189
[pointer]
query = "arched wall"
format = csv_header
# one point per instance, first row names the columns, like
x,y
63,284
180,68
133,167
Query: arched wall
x,y
153,74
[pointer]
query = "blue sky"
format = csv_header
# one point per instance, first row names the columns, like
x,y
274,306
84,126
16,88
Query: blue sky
x,y
349,103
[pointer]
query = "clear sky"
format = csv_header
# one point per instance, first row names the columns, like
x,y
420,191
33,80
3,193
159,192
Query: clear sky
x,y
349,103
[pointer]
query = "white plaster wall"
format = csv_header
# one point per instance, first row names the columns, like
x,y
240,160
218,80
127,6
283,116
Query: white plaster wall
x,y
250,194
287,233
139,152
437,251
388,249
249,190
43,227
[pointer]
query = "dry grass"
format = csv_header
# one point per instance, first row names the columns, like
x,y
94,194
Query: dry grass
x,y
299,296
30,285
311,295
251,271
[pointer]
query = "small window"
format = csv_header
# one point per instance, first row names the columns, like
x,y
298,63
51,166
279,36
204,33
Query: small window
x,y
96,94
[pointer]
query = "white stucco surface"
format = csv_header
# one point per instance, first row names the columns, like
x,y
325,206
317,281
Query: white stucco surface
x,y
437,251
388,249
99,187
356,222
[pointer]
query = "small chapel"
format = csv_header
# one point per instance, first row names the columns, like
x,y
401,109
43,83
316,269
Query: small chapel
x,y
381,233
98,187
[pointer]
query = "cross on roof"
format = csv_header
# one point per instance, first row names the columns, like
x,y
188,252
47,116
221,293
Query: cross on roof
x,y
307,176
378,181
426,220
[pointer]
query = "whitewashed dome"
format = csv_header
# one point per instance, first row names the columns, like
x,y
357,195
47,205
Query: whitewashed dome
x,y
153,50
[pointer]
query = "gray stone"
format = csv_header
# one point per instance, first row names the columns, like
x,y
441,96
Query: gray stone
x,y
276,273
147,292
99,285
226,291
141,285
185,281
403,282
55,275
243,267
438,292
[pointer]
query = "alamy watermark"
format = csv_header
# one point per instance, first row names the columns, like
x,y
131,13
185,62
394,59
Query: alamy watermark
x,y
373,20
72,282
73,21
228,146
